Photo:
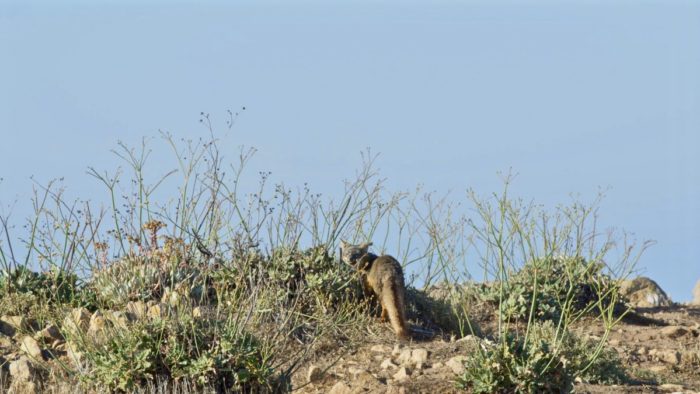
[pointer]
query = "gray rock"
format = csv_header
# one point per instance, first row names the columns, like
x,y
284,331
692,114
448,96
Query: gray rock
x,y
456,364
402,374
419,356
643,292
674,332
340,388
22,369
386,364
31,347
696,294
404,357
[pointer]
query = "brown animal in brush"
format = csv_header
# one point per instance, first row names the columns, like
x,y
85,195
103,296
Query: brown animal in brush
x,y
383,276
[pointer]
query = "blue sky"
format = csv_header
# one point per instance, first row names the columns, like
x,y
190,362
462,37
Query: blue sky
x,y
573,96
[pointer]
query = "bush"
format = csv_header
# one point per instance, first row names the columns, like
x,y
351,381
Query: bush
x,y
554,284
209,353
547,360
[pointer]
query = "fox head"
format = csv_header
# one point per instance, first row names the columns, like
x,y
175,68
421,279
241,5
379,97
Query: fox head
x,y
350,254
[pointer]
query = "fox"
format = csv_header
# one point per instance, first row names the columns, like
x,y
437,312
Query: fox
x,y
383,276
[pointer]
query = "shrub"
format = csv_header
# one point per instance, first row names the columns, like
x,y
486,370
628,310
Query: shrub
x,y
209,353
552,285
548,360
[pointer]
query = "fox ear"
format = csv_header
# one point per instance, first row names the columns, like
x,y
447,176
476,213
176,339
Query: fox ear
x,y
365,245
343,244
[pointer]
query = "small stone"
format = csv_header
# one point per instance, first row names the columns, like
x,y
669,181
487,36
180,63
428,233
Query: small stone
x,y
668,356
49,334
197,312
419,356
76,322
456,364
340,388
642,351
119,319
438,365
137,309
158,311
22,369
468,338
674,332
31,347
670,387
380,349
402,374
315,374
404,356
386,364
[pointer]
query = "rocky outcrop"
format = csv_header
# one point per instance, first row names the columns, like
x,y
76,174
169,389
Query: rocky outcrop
x,y
643,292
696,294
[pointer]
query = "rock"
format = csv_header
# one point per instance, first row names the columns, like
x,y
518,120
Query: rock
x,y
674,332
76,322
340,388
6,328
643,292
670,387
31,347
696,294
438,365
419,356
22,369
404,357
468,338
386,364
119,319
9,325
136,309
49,334
315,374
380,349
667,356
402,374
158,311
197,312
456,364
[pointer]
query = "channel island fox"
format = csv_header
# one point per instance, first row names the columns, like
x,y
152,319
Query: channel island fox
x,y
384,277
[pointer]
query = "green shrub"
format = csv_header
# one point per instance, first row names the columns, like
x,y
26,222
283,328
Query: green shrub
x,y
147,276
548,360
208,353
555,284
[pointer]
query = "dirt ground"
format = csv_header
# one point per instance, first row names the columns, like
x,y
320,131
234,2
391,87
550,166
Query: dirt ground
x,y
660,349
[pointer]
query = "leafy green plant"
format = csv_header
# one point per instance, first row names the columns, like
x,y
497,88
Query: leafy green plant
x,y
551,285
549,360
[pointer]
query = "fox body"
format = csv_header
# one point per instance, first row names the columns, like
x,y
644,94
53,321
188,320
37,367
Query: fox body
x,y
382,276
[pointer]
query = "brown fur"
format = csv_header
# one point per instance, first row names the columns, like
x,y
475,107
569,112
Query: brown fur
x,y
382,276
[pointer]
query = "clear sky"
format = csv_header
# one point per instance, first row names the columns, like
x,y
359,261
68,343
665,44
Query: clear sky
x,y
574,96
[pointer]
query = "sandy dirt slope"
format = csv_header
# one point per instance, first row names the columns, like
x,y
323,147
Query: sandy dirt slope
x,y
659,347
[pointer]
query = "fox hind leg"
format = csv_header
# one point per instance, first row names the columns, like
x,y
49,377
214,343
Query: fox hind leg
x,y
385,314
